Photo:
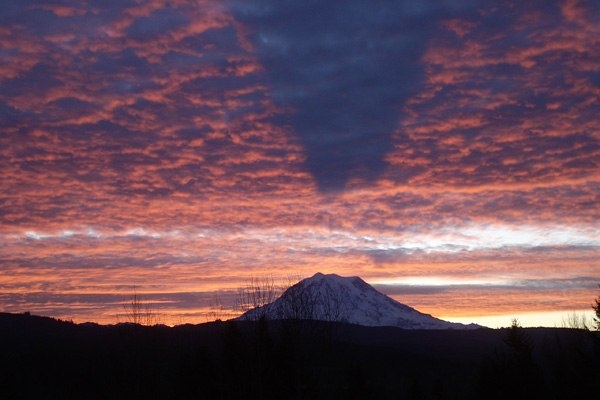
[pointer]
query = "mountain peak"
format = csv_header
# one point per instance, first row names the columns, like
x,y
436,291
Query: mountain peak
x,y
320,276
331,297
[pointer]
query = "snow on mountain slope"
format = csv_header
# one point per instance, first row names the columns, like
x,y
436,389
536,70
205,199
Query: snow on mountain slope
x,y
350,300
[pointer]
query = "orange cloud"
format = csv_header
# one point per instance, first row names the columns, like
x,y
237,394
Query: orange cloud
x,y
133,155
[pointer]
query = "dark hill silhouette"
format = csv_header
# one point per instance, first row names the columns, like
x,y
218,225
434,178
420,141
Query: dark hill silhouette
x,y
47,358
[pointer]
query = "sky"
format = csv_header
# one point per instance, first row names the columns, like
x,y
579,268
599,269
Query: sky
x,y
447,152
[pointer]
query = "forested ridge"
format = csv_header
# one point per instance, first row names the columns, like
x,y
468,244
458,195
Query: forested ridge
x,y
47,358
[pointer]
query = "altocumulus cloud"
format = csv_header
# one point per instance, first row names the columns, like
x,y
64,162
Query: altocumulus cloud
x,y
184,145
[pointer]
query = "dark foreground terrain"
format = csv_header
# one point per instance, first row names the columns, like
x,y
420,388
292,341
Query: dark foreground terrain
x,y
42,358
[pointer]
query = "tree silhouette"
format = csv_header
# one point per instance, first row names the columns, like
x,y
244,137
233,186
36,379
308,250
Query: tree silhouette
x,y
257,293
575,321
519,344
218,311
138,311
596,308
298,303
305,302
512,372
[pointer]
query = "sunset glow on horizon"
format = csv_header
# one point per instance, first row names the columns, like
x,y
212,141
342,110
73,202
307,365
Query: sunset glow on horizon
x,y
448,153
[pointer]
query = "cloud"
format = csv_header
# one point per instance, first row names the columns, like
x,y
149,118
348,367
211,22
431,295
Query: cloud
x,y
186,148
10,116
496,105
528,286
41,78
159,22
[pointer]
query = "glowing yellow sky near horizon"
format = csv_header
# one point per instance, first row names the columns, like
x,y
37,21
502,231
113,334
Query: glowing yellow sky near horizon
x,y
552,319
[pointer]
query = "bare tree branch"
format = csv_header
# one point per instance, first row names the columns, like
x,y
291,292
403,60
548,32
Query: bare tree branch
x,y
138,311
257,293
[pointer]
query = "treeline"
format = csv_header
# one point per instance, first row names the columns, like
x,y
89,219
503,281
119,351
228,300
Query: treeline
x,y
44,358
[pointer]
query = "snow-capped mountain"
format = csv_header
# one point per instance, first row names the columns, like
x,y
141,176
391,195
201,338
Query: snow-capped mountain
x,y
346,299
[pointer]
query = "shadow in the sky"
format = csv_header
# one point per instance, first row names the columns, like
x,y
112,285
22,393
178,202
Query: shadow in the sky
x,y
343,71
